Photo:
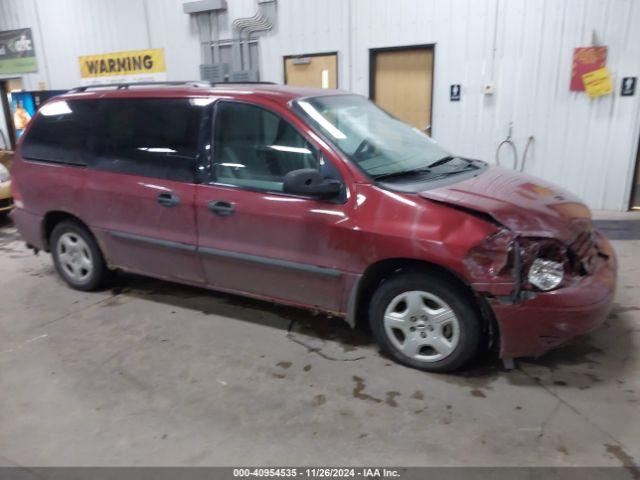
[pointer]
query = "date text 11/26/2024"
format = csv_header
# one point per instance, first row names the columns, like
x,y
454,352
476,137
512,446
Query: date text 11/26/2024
x,y
316,472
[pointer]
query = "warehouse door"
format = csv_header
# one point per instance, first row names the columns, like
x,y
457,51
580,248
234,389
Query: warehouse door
x,y
11,113
317,70
401,83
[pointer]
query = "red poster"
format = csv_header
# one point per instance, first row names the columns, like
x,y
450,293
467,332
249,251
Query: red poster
x,y
585,60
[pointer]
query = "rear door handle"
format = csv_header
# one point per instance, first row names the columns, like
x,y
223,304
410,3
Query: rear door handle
x,y
222,208
168,199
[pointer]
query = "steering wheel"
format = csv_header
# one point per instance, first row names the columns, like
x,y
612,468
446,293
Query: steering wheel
x,y
365,150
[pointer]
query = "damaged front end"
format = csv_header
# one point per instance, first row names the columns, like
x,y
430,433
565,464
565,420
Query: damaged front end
x,y
537,288
501,265
545,275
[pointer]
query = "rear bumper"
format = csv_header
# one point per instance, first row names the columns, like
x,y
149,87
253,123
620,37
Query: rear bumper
x,y
29,226
551,319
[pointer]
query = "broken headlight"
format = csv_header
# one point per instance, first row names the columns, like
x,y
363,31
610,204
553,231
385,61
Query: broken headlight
x,y
545,274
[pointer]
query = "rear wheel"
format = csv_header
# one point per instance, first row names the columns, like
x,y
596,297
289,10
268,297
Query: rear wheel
x,y
77,257
425,321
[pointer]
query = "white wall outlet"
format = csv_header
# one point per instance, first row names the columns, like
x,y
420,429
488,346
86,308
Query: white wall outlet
x,y
488,89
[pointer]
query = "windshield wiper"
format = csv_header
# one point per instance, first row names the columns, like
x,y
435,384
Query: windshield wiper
x,y
402,173
442,161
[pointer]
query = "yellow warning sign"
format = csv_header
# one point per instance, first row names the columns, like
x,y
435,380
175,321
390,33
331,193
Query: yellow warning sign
x,y
598,82
134,62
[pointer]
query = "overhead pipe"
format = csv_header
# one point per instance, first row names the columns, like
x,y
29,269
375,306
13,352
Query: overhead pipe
x,y
260,22
264,27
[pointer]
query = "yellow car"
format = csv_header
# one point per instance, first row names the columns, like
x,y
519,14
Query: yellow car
x,y
6,202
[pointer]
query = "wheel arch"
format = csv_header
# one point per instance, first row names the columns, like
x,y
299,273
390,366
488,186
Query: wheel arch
x,y
53,218
377,272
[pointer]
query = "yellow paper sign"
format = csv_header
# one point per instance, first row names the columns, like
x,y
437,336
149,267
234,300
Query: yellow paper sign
x,y
134,62
598,82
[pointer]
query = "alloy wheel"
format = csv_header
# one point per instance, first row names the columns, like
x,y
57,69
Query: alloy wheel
x,y
75,257
422,326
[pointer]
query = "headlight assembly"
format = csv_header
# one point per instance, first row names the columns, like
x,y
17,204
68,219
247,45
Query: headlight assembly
x,y
545,274
4,174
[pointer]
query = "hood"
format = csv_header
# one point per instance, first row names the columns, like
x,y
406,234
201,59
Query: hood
x,y
526,205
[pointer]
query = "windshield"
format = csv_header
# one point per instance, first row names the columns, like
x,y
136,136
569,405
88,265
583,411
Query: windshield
x,y
380,144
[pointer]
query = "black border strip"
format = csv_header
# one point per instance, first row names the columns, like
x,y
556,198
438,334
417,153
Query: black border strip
x,y
634,185
214,252
273,262
154,241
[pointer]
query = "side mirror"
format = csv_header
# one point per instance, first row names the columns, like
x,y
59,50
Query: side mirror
x,y
309,182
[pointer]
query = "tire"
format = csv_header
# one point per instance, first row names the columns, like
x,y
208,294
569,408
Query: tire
x,y
77,257
425,321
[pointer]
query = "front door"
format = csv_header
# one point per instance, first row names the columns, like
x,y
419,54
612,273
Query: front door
x,y
255,239
402,83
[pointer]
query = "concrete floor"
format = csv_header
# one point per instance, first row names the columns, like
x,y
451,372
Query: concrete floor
x,y
152,373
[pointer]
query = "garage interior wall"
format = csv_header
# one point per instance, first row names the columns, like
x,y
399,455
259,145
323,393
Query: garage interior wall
x,y
523,47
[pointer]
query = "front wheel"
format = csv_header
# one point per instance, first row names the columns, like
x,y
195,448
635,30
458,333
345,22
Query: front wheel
x,y
425,321
77,257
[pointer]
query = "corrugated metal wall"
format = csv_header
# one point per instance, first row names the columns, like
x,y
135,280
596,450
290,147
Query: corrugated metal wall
x,y
523,46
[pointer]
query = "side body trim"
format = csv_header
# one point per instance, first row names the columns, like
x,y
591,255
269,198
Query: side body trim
x,y
302,267
274,262
153,241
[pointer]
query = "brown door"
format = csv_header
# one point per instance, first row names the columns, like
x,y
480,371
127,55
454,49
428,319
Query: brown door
x,y
401,83
319,71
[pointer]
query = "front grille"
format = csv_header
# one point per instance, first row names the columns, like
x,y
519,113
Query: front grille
x,y
6,202
583,252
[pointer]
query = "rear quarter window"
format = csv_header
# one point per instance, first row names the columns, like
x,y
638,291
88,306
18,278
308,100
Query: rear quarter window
x,y
61,132
149,137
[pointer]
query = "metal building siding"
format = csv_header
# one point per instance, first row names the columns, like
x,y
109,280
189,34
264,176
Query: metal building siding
x,y
304,27
177,34
63,30
81,27
587,146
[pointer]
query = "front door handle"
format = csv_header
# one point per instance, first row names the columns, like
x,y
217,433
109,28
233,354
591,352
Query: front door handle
x,y
168,199
222,208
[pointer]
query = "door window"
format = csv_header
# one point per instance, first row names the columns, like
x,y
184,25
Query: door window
x,y
256,148
149,137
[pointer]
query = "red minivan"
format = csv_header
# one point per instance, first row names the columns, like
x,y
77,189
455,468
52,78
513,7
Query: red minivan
x,y
313,198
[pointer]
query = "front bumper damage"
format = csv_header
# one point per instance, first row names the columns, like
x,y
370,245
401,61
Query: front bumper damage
x,y
531,322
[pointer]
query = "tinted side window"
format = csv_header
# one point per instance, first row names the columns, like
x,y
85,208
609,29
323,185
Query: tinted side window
x,y
148,137
61,132
256,148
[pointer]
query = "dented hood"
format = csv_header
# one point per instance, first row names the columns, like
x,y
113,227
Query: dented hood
x,y
526,205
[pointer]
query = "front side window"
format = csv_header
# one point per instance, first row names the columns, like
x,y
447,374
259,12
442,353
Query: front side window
x,y
256,148
381,145
149,137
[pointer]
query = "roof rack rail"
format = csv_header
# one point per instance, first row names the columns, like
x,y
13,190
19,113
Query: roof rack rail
x,y
242,83
188,83
125,86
